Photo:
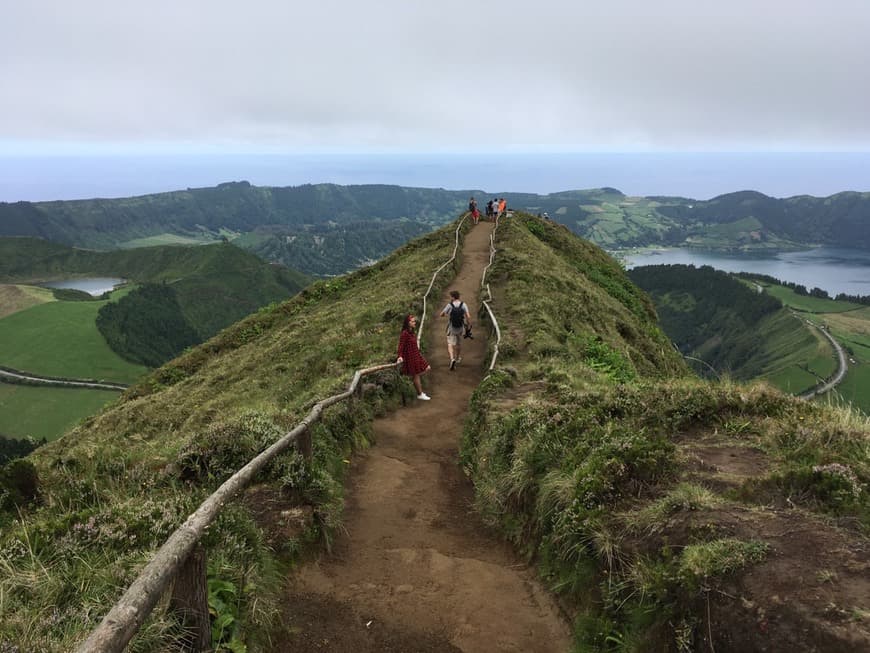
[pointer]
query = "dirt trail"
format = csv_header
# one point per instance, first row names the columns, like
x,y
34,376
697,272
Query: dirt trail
x,y
416,569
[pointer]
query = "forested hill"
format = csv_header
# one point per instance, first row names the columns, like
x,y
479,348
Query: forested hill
x,y
327,229
842,219
728,326
235,206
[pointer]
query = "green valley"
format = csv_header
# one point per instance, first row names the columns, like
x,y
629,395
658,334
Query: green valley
x,y
654,503
753,328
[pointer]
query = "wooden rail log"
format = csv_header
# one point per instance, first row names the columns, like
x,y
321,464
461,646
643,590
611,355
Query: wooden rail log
x,y
128,614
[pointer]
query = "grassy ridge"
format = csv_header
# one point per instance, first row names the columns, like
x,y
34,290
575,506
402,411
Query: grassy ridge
x,y
116,486
593,460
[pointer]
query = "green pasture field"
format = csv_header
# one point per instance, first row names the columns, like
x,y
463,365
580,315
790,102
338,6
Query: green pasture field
x,y
792,379
793,355
48,413
850,325
854,387
610,224
808,304
165,239
61,339
203,238
852,330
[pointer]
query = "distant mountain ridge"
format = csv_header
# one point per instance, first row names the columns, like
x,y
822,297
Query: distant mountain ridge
x,y
236,206
327,229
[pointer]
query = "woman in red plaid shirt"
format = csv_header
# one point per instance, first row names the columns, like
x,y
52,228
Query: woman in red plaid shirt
x,y
409,354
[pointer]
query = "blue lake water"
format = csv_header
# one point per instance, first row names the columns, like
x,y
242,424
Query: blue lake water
x,y
833,269
95,286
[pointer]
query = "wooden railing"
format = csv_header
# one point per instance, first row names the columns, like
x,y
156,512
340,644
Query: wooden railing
x,y
181,557
487,301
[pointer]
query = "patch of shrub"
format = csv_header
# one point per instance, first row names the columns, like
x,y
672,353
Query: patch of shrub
x,y
11,448
19,484
72,295
219,451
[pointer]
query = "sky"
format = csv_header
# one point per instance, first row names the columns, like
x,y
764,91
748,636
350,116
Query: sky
x,y
200,76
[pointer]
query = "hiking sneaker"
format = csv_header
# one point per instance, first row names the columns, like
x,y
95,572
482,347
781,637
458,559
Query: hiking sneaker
x,y
452,364
459,360
423,397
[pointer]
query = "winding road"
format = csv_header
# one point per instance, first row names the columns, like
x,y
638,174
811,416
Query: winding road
x,y
15,376
842,368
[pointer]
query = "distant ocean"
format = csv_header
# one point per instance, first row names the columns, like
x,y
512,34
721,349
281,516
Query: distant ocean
x,y
692,175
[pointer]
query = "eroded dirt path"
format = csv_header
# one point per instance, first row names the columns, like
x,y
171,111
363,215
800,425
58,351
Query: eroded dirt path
x,y
416,569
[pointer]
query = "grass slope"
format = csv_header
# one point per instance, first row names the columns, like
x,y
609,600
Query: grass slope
x,y
112,489
658,504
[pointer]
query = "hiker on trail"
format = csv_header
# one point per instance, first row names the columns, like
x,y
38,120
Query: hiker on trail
x,y
502,207
409,354
495,209
489,210
458,320
472,208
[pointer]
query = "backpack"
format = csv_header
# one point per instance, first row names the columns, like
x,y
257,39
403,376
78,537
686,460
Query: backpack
x,y
457,315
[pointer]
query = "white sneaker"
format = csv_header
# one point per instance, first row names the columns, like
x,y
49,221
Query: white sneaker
x,y
459,360
423,396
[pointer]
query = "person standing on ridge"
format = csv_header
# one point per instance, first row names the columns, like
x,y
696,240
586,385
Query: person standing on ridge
x,y
472,208
502,207
458,319
409,354
489,210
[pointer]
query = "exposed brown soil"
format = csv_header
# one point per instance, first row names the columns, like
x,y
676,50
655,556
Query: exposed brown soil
x,y
14,299
812,590
416,569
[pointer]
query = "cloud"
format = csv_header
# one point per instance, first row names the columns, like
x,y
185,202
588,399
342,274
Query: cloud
x,y
627,74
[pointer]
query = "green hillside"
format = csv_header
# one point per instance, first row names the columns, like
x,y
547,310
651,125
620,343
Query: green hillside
x,y
586,446
727,327
206,288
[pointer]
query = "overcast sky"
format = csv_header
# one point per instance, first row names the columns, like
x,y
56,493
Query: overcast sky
x,y
406,75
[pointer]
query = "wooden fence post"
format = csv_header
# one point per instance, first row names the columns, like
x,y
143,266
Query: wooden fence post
x,y
304,444
190,601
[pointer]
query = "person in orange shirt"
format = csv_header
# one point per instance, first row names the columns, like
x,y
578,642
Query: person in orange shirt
x,y
502,207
